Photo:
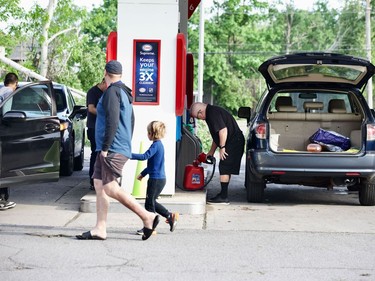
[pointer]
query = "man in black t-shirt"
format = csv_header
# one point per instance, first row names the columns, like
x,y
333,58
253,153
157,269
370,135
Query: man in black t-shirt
x,y
227,136
92,99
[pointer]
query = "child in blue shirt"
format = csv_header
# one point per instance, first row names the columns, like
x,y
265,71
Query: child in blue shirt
x,y
155,169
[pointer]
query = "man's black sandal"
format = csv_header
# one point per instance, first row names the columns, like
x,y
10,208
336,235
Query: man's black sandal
x,y
148,232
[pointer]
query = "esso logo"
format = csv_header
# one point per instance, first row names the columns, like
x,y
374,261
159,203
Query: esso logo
x,y
147,47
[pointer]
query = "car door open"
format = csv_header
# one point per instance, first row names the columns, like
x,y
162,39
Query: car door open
x,y
29,136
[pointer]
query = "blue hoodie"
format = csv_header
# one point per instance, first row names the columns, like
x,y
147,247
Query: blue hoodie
x,y
115,120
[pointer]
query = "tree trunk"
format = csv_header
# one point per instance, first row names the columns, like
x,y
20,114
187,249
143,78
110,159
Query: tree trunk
x,y
44,47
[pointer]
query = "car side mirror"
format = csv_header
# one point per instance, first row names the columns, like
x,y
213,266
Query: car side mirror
x,y
14,115
79,109
244,112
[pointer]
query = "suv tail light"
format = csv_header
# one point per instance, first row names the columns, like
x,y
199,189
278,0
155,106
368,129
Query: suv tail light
x,y
370,132
261,131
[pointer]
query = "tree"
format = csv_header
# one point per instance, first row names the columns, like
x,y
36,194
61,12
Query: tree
x,y
65,42
100,22
45,38
351,36
230,72
10,12
239,36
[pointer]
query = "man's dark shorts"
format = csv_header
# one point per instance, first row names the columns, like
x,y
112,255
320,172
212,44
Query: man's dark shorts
x,y
235,148
109,168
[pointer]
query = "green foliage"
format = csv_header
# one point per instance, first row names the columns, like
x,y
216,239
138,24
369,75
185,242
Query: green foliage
x,y
351,37
204,135
240,35
76,52
100,23
80,100
230,74
91,65
10,10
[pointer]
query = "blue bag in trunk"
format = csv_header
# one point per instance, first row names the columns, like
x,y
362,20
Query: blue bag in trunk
x,y
330,138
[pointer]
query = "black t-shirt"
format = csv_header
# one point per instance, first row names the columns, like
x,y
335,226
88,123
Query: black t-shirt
x,y
218,118
93,96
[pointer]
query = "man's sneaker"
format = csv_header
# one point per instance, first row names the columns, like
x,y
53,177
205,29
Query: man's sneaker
x,y
218,200
5,205
172,221
140,232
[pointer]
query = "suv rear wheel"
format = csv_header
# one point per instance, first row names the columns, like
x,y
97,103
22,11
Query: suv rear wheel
x,y
254,189
367,192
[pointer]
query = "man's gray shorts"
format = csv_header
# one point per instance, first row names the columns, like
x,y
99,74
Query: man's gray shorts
x,y
109,168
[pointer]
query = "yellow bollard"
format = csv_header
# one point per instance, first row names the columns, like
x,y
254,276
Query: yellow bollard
x,y
140,187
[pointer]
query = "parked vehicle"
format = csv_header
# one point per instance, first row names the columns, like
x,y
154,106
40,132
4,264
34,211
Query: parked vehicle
x,y
310,95
29,136
73,128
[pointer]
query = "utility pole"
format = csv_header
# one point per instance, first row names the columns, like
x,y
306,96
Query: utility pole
x,y
201,52
368,50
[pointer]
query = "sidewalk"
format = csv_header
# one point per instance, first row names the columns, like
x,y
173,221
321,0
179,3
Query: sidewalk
x,y
184,202
69,205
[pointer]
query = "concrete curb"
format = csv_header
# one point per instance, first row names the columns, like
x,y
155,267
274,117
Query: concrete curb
x,y
184,202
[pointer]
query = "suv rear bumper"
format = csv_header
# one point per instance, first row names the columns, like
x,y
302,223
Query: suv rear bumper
x,y
266,163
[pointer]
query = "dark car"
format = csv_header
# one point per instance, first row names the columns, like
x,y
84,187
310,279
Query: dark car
x,y
73,126
29,136
312,126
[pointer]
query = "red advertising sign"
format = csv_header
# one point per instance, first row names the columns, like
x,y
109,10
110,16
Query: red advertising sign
x,y
193,4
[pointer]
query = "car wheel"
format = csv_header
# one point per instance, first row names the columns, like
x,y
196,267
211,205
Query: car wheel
x,y
66,165
366,193
78,161
254,189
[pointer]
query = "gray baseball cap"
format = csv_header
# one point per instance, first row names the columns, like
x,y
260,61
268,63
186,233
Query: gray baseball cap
x,y
113,67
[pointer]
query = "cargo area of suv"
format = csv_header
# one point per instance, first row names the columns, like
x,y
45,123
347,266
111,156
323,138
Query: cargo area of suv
x,y
294,117
312,126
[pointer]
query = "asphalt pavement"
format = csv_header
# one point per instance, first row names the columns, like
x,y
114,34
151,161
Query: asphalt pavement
x,y
299,233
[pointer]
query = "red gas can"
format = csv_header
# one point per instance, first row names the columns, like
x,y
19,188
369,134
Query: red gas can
x,y
193,177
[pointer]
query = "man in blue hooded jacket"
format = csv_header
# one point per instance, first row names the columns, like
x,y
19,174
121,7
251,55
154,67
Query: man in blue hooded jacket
x,y
113,134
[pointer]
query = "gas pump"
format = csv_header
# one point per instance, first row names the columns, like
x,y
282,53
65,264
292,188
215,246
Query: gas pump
x,y
153,53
